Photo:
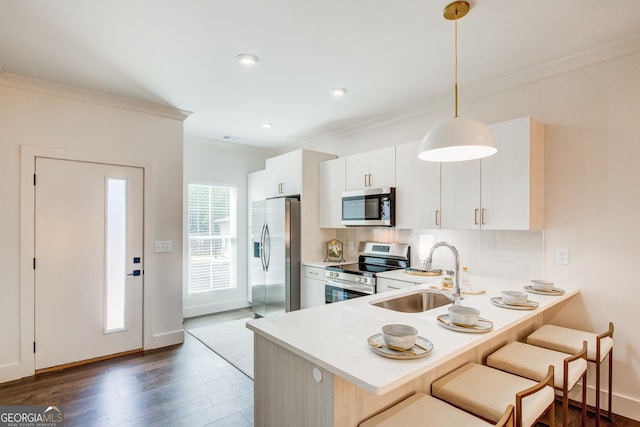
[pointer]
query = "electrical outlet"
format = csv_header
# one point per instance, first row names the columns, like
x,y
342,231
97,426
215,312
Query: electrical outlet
x,y
562,256
351,248
163,246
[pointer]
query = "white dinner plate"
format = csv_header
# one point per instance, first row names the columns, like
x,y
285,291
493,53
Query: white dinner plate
x,y
528,305
553,291
421,349
481,327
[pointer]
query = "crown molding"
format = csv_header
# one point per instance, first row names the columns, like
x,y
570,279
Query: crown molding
x,y
54,89
546,71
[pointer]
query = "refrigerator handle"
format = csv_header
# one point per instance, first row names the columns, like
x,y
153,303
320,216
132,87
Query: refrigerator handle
x,y
268,246
262,242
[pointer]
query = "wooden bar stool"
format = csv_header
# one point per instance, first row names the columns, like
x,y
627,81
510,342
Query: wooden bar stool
x,y
422,409
532,362
567,340
485,392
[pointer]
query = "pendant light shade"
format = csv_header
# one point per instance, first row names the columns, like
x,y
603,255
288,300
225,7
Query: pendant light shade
x,y
459,138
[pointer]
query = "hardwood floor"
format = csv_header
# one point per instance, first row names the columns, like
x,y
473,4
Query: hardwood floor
x,y
185,385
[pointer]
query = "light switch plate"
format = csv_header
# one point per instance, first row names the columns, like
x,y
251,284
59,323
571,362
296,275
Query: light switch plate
x,y
163,246
562,256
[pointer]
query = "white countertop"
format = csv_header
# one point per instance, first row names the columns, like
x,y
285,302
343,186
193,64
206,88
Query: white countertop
x,y
334,336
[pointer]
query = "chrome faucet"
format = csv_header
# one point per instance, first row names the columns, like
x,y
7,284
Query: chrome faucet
x,y
456,284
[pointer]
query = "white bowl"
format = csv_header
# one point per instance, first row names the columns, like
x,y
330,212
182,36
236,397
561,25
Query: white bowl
x,y
401,336
542,285
463,316
514,297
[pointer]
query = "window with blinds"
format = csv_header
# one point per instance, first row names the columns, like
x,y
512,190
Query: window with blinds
x,y
211,212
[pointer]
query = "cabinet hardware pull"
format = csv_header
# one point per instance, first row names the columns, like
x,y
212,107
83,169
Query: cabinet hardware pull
x,y
475,216
482,216
365,179
393,287
369,180
437,219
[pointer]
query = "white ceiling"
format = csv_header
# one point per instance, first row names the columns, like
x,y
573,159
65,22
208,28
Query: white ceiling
x,y
391,55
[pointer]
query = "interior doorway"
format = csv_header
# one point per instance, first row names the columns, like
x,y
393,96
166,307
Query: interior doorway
x,y
88,282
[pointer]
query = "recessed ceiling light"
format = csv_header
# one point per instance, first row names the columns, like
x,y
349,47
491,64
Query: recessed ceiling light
x,y
247,59
338,91
266,125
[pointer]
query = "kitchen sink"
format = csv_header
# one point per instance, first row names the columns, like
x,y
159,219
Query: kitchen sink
x,y
415,302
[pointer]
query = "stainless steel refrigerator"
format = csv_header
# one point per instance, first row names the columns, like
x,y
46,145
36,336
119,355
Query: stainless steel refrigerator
x,y
274,262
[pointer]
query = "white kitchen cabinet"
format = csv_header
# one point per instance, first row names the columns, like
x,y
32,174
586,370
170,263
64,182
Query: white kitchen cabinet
x,y
257,186
284,174
460,198
373,169
311,286
500,192
512,181
331,186
417,189
385,285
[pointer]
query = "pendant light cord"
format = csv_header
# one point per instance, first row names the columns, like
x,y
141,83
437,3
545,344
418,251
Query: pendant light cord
x,y
456,59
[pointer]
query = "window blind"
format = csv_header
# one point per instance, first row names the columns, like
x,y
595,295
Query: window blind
x,y
212,225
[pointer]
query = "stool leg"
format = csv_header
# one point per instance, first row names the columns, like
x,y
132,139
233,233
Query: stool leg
x,y
598,390
610,380
565,394
584,399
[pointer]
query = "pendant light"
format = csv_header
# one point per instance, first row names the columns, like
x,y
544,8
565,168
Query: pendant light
x,y
459,138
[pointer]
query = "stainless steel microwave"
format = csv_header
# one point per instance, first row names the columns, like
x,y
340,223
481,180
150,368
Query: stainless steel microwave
x,y
374,207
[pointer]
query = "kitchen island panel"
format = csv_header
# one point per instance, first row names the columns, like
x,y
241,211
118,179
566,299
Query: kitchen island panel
x,y
285,391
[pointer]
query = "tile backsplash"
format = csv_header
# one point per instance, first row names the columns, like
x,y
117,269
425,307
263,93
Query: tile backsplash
x,y
506,254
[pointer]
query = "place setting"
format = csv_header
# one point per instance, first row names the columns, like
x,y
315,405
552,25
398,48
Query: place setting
x,y
543,287
465,319
399,342
514,300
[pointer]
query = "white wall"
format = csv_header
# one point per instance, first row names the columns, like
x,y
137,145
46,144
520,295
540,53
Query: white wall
x,y
592,188
89,126
218,163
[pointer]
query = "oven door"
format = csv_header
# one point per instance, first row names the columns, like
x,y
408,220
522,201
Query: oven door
x,y
335,291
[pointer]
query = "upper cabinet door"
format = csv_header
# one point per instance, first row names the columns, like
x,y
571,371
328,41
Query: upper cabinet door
x,y
512,180
382,168
332,184
373,169
417,189
460,198
284,174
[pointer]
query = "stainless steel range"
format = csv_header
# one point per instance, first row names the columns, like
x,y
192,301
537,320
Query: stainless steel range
x,y
347,281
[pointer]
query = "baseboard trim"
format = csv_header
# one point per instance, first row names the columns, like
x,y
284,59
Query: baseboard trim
x,y
87,361
626,406
166,339
202,310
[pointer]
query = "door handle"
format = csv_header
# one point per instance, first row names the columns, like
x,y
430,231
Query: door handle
x,y
475,216
437,217
262,243
482,216
135,273
267,235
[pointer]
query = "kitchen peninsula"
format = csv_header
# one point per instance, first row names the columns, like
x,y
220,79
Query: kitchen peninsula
x,y
314,367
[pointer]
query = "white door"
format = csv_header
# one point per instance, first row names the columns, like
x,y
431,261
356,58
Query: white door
x,y
88,260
